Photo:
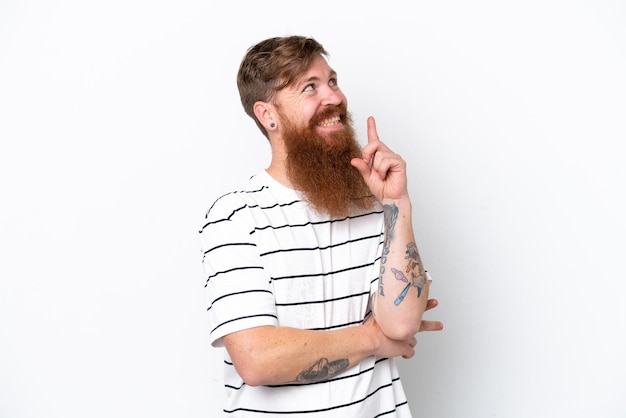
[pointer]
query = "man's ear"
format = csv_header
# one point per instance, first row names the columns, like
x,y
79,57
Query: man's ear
x,y
265,113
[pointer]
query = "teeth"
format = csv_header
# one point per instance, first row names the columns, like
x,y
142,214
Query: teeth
x,y
331,121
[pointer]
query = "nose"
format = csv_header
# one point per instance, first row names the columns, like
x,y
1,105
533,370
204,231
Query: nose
x,y
333,96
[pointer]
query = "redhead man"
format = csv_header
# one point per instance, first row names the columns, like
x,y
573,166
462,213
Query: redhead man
x,y
313,277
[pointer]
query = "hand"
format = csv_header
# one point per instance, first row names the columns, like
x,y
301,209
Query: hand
x,y
383,170
385,346
431,325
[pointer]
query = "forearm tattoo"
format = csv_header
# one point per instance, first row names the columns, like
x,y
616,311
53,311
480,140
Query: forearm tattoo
x,y
322,370
390,213
413,269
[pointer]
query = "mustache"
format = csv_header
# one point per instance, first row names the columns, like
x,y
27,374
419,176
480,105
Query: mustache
x,y
329,111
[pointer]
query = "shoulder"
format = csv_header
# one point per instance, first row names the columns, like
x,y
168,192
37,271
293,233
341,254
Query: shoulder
x,y
235,199
256,197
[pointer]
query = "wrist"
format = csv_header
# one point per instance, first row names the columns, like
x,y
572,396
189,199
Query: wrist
x,y
370,337
397,210
400,201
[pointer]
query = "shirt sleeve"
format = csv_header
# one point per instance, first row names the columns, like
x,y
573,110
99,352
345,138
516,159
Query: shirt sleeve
x,y
237,286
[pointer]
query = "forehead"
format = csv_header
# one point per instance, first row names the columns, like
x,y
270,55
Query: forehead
x,y
318,70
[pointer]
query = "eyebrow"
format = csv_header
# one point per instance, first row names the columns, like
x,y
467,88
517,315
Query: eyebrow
x,y
332,74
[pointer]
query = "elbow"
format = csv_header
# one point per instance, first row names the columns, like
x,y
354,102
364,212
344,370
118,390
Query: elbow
x,y
252,378
252,372
401,332
400,329
253,359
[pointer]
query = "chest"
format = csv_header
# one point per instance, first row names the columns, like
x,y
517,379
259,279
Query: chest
x,y
321,271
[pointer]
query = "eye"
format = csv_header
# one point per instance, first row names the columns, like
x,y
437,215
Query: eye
x,y
309,87
333,82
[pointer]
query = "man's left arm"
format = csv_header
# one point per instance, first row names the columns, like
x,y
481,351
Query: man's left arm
x,y
403,287
402,295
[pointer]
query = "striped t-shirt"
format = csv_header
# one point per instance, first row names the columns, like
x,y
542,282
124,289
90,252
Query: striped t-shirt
x,y
269,259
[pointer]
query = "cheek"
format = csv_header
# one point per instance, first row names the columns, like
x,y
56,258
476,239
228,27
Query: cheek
x,y
308,111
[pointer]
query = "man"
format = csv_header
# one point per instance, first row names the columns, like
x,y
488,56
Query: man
x,y
313,278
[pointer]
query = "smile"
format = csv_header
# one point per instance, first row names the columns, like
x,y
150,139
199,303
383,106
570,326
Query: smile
x,y
331,121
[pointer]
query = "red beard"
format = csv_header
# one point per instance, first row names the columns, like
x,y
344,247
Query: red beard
x,y
319,166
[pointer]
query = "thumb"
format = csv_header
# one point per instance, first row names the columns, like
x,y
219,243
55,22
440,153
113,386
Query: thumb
x,y
362,166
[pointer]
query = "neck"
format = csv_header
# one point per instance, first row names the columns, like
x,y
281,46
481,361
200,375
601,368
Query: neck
x,y
277,168
279,175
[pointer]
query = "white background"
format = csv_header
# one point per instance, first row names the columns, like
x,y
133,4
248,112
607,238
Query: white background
x,y
120,122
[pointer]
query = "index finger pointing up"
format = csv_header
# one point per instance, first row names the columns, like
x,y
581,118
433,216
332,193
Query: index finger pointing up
x,y
372,134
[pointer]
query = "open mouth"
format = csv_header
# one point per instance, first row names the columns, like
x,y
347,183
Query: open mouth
x,y
330,121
